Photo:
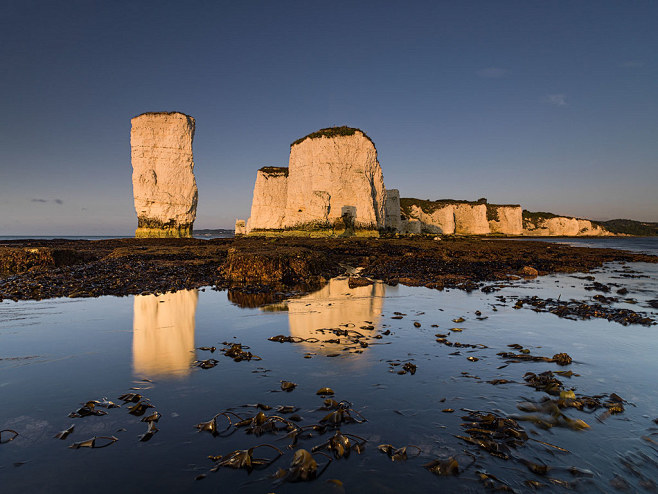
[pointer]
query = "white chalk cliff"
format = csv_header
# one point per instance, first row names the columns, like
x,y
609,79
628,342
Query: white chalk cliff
x,y
333,180
448,217
507,220
268,206
562,226
164,187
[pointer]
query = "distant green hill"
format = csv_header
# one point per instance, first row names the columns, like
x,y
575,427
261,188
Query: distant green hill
x,y
630,227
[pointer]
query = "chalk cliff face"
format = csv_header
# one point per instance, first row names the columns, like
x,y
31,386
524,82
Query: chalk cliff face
x,y
441,220
506,220
163,334
332,176
471,219
393,219
268,207
240,227
562,226
164,187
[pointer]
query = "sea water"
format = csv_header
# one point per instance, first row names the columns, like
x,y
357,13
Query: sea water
x,y
55,355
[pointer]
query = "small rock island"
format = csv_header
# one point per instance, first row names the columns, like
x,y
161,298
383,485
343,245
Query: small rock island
x,y
333,184
164,187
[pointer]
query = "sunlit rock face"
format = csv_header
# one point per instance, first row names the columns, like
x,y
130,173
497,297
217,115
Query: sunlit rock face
x,y
330,177
163,334
562,226
471,219
164,187
393,219
507,220
268,207
441,220
332,307
240,227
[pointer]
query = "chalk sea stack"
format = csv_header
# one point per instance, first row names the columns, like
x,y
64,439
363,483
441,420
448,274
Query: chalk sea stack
x,y
164,187
333,183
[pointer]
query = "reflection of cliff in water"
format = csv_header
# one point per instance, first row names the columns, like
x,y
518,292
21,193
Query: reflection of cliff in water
x,y
335,306
163,333
252,297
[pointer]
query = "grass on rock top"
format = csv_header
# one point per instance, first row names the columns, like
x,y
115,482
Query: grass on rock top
x,y
332,132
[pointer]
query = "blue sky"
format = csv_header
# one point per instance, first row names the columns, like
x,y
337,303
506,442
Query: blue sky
x,y
553,105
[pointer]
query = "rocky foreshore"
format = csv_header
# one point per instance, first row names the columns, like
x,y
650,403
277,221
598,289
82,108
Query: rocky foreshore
x,y
40,269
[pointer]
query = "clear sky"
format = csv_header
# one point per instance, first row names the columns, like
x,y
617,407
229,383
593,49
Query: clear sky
x,y
553,105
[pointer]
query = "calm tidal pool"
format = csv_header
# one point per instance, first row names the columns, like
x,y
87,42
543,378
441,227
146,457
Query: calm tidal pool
x,y
55,355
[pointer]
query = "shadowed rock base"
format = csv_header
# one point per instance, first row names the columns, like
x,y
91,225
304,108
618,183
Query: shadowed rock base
x,y
150,228
181,232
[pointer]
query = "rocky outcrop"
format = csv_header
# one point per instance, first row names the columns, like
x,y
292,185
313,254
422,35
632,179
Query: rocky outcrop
x,y
439,220
411,227
393,219
471,219
333,182
547,225
268,206
505,219
335,173
240,227
447,217
164,187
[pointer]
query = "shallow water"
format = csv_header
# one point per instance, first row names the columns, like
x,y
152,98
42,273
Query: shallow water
x,y
57,354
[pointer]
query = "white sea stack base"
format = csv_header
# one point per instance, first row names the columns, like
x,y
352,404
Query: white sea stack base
x,y
164,187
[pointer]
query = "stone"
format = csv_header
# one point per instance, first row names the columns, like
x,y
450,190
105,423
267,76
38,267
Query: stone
x,y
471,219
268,206
561,226
393,219
411,227
164,187
240,227
505,219
333,184
439,219
529,272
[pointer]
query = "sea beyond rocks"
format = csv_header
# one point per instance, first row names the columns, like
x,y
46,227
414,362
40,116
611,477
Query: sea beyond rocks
x,y
278,267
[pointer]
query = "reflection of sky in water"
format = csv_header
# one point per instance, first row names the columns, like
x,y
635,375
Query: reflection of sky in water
x,y
163,333
89,348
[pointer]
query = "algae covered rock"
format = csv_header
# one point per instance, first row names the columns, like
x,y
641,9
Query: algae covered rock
x,y
164,187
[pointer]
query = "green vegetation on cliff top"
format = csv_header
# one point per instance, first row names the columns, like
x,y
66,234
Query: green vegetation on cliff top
x,y
429,206
630,227
332,132
275,170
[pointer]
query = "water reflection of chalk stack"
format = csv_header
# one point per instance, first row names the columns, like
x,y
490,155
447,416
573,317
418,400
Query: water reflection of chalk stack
x,y
336,305
163,334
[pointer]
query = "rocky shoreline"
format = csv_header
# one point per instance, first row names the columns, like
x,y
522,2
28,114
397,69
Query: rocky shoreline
x,y
41,269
